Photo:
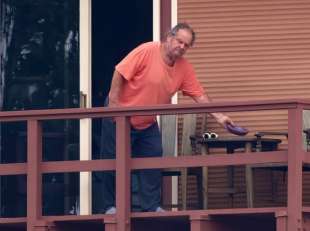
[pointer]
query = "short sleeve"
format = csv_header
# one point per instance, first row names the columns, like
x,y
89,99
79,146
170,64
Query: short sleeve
x,y
134,62
190,85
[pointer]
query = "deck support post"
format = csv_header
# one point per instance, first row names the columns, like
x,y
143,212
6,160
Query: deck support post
x,y
123,171
44,226
110,224
281,221
204,223
294,175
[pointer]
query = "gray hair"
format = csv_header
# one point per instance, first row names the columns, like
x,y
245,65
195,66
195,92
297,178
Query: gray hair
x,y
182,26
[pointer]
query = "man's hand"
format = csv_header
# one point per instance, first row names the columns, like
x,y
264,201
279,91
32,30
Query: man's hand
x,y
222,119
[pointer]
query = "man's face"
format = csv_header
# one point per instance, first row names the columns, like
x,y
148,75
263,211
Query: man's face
x,y
178,44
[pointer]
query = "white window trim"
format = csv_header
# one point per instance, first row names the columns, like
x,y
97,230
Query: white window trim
x,y
85,202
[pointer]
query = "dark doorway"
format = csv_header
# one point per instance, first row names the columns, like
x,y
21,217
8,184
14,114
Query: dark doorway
x,y
117,28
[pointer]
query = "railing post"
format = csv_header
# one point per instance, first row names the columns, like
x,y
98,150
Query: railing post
x,y
44,226
123,156
198,223
281,220
205,223
295,158
34,176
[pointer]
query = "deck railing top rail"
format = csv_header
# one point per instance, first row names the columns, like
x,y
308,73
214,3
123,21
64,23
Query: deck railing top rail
x,y
79,113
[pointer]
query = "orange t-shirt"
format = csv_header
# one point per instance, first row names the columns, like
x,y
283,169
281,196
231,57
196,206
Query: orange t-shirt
x,y
150,81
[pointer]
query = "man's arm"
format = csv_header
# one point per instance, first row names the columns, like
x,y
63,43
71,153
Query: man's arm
x,y
116,86
219,117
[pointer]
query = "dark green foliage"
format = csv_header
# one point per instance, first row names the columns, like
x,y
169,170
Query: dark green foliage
x,y
42,62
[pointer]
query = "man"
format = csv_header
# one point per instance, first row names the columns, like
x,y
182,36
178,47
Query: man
x,y
151,74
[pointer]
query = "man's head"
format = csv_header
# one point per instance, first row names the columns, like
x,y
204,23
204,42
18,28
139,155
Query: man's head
x,y
182,26
178,40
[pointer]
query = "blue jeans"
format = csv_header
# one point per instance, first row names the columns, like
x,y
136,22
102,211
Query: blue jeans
x,y
144,143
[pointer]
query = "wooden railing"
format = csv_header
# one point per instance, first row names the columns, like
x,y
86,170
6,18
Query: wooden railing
x,y
294,157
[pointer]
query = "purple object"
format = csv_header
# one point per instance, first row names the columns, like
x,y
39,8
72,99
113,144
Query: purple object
x,y
234,129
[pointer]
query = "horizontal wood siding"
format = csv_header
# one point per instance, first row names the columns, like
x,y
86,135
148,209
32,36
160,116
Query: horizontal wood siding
x,y
250,50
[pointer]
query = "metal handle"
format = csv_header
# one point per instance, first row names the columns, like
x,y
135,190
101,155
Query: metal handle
x,y
83,100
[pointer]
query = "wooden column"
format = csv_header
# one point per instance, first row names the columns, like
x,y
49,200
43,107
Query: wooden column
x,y
281,221
165,17
34,176
123,158
110,224
205,223
295,157
44,226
